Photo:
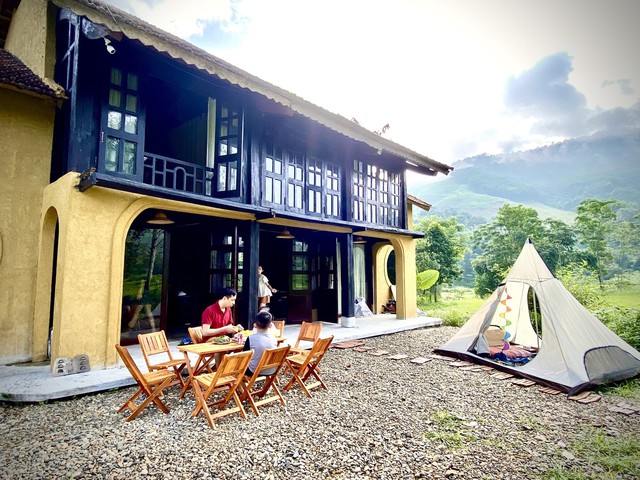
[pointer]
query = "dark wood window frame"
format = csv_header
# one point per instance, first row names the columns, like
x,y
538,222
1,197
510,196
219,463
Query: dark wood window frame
x,y
122,124
287,171
228,150
376,194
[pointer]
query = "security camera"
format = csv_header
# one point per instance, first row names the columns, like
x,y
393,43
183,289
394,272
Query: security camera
x,y
110,49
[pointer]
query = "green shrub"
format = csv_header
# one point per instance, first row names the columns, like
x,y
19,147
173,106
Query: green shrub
x,y
583,285
625,322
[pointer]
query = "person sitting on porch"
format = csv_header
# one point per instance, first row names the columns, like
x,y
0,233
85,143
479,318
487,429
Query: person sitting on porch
x,y
217,319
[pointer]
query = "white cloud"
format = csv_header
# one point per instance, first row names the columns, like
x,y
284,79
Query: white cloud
x,y
187,19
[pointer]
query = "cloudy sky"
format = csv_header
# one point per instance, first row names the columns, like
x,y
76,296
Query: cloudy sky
x,y
452,78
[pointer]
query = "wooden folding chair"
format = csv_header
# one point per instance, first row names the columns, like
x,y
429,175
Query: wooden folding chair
x,y
155,344
279,324
302,366
272,360
151,384
309,332
227,378
195,333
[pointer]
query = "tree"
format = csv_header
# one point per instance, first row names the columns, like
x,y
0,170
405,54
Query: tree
x,y
500,242
626,243
595,220
557,244
441,249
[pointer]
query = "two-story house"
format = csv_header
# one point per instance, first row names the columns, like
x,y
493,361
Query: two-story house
x,y
170,174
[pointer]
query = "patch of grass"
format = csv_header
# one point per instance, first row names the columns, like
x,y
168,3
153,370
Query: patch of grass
x,y
604,457
627,389
449,430
528,422
455,306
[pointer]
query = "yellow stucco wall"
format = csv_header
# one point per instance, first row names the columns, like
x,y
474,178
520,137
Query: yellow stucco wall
x,y
406,293
31,36
406,286
93,227
25,155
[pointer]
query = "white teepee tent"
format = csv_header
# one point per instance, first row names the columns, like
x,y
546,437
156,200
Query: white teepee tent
x,y
576,350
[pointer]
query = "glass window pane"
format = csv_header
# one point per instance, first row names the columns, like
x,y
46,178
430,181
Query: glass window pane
x,y
299,246
116,76
290,196
239,289
132,81
130,150
131,124
224,112
227,259
233,146
115,97
114,120
269,164
224,128
299,281
227,240
291,171
233,175
222,178
298,196
298,174
111,156
277,167
235,127
277,191
132,103
299,263
268,189
214,259
222,148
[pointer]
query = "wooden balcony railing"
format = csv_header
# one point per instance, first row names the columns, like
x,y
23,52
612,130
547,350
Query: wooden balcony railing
x,y
177,175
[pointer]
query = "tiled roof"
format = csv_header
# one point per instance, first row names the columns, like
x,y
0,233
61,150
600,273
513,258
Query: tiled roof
x,y
15,73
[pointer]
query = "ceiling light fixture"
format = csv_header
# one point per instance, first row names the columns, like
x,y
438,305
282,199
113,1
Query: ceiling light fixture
x,y
285,234
359,240
160,218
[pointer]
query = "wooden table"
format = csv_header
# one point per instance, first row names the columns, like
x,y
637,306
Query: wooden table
x,y
206,352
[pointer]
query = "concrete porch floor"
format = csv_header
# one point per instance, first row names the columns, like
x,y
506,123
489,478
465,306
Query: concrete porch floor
x,y
35,383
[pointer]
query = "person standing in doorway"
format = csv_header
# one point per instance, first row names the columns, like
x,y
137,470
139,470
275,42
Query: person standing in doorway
x,y
264,289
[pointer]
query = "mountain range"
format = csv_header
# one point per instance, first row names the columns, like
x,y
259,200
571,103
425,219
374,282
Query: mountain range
x,y
552,179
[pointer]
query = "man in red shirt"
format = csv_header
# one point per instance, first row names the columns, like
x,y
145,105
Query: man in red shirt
x,y
217,319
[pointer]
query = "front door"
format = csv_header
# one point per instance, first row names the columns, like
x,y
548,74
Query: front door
x,y
325,283
299,298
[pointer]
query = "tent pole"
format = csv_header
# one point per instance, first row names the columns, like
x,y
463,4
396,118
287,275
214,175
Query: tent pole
x,y
538,317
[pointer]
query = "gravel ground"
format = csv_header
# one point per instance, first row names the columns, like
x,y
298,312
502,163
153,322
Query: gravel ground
x,y
380,419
